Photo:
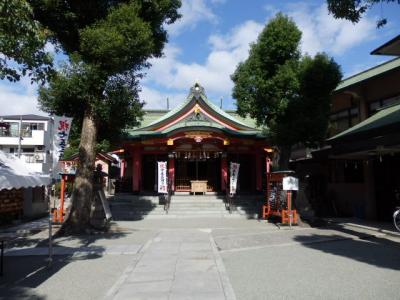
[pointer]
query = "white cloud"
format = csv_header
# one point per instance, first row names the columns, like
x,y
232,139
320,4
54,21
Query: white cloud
x,y
271,9
322,32
226,52
157,100
193,12
18,98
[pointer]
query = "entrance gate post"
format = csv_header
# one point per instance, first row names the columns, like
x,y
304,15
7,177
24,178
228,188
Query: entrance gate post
x,y
224,172
258,172
171,170
137,169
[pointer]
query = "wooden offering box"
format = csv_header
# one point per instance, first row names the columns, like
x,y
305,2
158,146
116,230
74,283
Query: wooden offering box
x,y
198,186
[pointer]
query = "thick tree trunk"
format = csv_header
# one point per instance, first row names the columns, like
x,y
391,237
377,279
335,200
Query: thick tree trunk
x,y
82,195
284,157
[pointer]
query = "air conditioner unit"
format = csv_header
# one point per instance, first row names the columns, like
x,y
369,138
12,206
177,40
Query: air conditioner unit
x,y
38,156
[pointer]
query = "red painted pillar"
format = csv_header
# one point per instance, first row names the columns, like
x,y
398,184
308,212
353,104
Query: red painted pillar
x,y
267,175
224,172
122,170
258,172
171,170
137,169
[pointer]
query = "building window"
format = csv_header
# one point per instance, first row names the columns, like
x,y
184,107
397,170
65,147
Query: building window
x,y
377,105
343,120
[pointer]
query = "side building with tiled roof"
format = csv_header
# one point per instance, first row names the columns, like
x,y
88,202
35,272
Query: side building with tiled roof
x,y
356,173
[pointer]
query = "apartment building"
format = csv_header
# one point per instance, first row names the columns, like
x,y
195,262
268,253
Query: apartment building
x,y
27,136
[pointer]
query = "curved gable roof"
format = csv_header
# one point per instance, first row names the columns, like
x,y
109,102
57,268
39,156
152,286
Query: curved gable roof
x,y
197,98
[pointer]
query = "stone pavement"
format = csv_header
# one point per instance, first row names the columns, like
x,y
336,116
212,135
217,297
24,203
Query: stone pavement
x,y
176,264
216,258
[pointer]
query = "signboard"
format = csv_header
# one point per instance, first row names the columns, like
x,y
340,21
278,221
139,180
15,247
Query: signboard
x,y
61,128
105,204
162,177
234,172
290,183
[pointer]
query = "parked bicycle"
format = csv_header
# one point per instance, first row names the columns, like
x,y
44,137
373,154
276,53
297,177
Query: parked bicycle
x,y
396,218
396,214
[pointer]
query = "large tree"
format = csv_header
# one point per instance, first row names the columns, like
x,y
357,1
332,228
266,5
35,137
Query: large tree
x,y
353,10
286,93
108,44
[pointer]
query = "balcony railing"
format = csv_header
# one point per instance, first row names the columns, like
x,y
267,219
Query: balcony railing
x,y
33,157
15,133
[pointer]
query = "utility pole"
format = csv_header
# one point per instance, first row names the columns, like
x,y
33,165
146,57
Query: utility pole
x,y
167,103
20,137
220,103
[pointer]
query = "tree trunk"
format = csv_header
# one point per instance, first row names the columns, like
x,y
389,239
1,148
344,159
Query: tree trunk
x,y
82,194
284,157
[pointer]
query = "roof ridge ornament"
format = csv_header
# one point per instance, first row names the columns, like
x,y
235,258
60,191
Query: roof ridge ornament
x,y
197,90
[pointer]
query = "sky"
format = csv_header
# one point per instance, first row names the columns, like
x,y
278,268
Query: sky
x,y
213,36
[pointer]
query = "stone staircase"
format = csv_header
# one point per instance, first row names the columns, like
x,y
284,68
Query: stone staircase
x,y
137,207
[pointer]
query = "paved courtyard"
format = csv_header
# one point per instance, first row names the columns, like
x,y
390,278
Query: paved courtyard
x,y
207,259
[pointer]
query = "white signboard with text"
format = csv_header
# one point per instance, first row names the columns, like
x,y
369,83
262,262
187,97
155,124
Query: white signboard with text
x,y
162,177
290,183
234,172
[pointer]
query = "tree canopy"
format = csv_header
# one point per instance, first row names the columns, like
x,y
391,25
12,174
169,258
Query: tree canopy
x,y
353,10
286,93
107,43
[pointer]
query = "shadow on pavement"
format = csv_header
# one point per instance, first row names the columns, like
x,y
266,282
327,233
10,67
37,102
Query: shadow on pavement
x,y
359,246
131,209
23,274
84,240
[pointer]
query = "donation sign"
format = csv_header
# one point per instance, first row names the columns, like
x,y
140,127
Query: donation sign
x,y
61,128
234,168
162,177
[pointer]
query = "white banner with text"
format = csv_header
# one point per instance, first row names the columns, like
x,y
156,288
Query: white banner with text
x,y
162,177
234,175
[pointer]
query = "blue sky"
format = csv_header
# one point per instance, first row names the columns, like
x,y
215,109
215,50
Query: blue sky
x,y
213,36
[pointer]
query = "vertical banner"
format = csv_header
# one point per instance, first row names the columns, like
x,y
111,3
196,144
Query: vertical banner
x,y
234,172
162,177
61,128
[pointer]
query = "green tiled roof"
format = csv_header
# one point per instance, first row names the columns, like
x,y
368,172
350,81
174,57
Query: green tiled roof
x,y
151,116
370,73
193,124
248,121
385,117
154,118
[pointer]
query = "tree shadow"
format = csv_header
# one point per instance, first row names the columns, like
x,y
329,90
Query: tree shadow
x,y
22,274
84,240
26,260
359,246
132,207
248,205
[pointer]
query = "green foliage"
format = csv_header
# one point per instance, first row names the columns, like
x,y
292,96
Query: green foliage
x,y
287,94
22,42
116,35
353,10
108,43
72,91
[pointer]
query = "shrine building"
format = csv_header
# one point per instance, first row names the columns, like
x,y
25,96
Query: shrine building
x,y
198,140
